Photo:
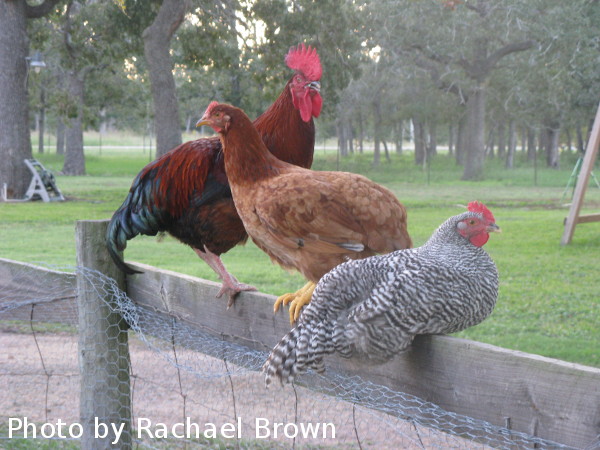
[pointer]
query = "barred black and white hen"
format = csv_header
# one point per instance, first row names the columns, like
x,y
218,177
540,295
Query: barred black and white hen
x,y
373,308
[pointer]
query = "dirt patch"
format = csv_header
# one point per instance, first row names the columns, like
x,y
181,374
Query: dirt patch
x,y
39,379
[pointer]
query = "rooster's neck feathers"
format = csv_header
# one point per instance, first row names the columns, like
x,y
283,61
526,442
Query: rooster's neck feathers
x,y
285,133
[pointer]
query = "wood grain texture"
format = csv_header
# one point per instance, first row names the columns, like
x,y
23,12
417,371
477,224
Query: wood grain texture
x,y
552,399
103,343
588,218
589,159
41,294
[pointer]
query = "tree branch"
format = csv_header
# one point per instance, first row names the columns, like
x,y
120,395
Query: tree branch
x,y
167,20
432,68
493,59
37,11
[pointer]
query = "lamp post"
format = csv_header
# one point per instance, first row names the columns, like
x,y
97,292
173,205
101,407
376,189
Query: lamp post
x,y
37,63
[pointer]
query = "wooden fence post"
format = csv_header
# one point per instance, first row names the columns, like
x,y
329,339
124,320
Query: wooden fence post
x,y
105,404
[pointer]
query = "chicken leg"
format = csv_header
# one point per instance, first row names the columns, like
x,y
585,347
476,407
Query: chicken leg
x,y
231,285
298,300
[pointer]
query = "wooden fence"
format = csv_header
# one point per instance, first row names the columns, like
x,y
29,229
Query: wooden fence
x,y
544,397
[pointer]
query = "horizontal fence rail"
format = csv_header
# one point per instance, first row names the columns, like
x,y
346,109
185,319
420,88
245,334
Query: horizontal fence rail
x,y
540,396
544,397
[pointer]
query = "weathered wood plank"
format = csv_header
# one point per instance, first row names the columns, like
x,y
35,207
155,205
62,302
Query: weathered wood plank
x,y
588,218
103,344
37,293
589,158
548,398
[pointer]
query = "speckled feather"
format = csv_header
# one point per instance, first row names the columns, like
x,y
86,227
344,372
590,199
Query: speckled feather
x,y
373,308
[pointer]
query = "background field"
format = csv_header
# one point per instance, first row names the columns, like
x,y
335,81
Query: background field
x,y
548,303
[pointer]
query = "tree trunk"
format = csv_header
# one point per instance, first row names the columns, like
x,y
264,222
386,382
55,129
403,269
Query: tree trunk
x,y
419,139
531,150
376,132
489,146
60,136
512,145
580,141
501,139
234,69
157,39
387,152
461,141
342,141
188,123
376,152
74,163
15,140
555,147
432,144
361,133
543,139
475,150
551,142
42,120
350,137
399,135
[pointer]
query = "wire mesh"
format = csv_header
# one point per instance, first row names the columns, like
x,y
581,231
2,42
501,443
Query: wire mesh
x,y
191,389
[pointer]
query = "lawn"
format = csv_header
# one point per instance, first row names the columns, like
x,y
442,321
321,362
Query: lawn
x,y
549,295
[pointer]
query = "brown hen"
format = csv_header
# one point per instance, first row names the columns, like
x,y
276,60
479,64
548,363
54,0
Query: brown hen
x,y
305,220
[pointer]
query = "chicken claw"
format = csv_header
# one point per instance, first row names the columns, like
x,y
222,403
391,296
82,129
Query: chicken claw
x,y
298,300
231,286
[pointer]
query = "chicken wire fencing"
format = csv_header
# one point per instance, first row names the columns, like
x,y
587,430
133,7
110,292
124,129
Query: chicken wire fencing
x,y
184,387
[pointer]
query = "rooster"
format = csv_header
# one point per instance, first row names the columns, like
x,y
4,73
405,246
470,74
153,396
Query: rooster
x,y
304,220
186,192
373,308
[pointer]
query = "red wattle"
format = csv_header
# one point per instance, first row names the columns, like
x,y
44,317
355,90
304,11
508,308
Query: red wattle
x,y
480,239
317,103
305,106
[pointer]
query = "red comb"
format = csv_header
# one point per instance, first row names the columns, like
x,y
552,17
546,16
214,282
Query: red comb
x,y
479,207
306,60
210,107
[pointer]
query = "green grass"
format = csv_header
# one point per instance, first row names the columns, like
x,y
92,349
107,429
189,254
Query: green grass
x,y
549,295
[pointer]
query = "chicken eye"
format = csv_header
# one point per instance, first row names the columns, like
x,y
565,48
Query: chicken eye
x,y
472,222
298,79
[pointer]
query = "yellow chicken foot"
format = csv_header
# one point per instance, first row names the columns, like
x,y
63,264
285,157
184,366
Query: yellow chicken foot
x,y
298,300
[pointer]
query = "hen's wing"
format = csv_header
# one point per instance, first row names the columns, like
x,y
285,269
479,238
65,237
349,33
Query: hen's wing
x,y
163,190
331,212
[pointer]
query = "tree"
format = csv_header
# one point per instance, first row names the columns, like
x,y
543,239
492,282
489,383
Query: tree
x,y
157,38
15,140
557,86
459,45
82,41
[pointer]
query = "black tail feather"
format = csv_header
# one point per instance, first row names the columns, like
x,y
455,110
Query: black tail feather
x,y
116,242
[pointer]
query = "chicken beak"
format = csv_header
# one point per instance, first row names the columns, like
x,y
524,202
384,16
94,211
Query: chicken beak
x,y
314,85
493,228
202,121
